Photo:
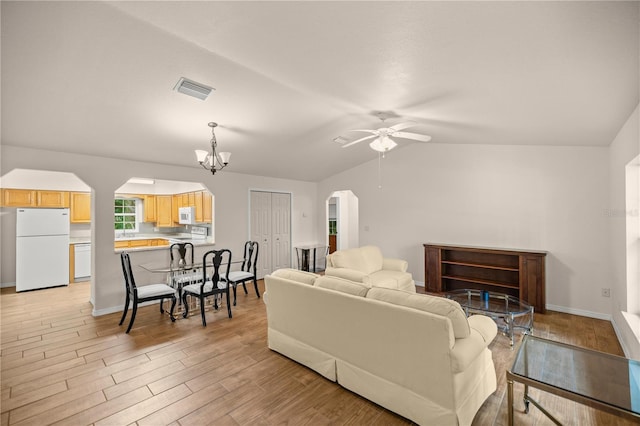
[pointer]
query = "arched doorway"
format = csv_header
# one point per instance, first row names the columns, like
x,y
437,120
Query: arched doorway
x,y
342,220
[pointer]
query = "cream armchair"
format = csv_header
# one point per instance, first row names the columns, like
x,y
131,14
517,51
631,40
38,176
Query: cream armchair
x,y
366,265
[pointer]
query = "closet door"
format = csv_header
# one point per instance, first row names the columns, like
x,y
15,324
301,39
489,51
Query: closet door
x,y
271,228
261,229
281,230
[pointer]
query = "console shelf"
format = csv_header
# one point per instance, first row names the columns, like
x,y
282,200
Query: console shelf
x,y
518,273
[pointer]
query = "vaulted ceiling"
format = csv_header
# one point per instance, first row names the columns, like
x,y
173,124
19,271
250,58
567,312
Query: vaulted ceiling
x,y
98,77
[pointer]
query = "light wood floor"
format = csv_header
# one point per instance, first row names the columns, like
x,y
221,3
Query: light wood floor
x,y
60,365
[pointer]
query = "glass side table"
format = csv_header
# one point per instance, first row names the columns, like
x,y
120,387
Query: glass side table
x,y
599,380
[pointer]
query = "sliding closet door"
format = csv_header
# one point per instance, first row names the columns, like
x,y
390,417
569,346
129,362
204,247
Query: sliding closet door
x,y
271,227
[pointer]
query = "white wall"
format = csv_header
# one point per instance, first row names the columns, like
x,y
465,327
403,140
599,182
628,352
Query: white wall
x,y
41,179
105,175
624,148
531,197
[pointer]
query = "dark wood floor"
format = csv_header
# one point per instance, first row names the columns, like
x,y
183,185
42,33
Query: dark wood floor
x,y
60,365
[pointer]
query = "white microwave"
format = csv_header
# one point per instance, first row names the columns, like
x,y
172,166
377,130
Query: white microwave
x,y
187,215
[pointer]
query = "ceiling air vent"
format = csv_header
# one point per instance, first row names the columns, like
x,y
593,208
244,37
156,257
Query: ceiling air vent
x,y
191,88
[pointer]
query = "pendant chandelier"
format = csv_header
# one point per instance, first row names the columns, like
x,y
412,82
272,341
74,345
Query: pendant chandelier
x,y
214,160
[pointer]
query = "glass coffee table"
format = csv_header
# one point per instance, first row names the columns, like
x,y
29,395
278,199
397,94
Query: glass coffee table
x,y
599,380
509,312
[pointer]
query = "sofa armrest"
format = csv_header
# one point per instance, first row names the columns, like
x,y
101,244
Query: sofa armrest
x,y
346,273
466,350
395,264
485,326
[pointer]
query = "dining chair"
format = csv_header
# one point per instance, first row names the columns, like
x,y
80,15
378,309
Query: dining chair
x,y
182,254
144,293
248,270
181,251
215,285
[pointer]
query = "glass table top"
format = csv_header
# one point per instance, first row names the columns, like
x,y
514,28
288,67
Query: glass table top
x,y
599,376
498,303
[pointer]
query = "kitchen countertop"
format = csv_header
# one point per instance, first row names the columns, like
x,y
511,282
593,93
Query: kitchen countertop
x,y
79,240
172,238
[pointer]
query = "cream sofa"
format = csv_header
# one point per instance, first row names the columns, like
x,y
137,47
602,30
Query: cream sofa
x,y
366,265
414,354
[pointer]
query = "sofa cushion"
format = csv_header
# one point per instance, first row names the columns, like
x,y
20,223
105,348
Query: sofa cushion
x,y
366,259
433,304
389,279
342,285
296,275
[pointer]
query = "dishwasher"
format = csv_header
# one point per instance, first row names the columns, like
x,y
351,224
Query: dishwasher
x,y
82,254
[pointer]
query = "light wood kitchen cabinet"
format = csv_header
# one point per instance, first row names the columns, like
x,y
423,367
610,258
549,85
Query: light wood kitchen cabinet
x,y
197,198
18,198
138,243
52,198
164,215
150,214
121,244
152,242
177,203
34,198
80,207
207,208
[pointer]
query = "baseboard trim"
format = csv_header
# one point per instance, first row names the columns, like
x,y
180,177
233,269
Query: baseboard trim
x,y
581,312
419,283
7,285
625,348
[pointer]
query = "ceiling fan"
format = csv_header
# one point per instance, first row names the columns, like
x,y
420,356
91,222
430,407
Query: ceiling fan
x,y
383,141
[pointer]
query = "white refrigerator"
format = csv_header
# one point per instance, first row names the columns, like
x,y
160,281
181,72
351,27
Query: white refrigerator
x,y
42,248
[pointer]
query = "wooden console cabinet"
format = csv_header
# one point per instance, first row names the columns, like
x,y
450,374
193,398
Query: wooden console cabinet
x,y
514,272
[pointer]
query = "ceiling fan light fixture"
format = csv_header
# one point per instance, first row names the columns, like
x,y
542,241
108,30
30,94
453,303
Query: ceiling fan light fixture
x,y
383,144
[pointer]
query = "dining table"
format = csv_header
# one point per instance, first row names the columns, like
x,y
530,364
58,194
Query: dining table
x,y
179,273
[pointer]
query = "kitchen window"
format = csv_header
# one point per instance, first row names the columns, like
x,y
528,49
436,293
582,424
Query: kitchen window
x,y
126,214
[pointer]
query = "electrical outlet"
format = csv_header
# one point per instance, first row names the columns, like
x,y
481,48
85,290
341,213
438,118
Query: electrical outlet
x,y
606,292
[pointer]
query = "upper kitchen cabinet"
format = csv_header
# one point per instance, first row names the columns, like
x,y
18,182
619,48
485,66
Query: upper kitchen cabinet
x,y
80,203
34,198
164,216
197,197
207,207
150,213
18,198
201,200
177,203
52,198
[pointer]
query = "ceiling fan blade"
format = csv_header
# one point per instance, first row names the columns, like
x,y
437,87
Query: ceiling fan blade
x,y
403,126
375,132
360,140
414,136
